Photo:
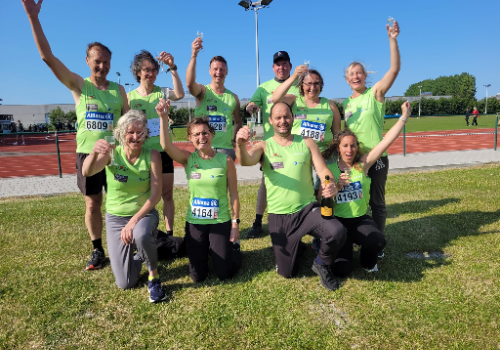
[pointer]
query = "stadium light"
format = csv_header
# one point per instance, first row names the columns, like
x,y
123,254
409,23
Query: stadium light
x,y
129,86
419,100
256,6
118,73
486,106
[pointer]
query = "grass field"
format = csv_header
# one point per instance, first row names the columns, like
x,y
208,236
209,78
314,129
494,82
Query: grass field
x,y
449,298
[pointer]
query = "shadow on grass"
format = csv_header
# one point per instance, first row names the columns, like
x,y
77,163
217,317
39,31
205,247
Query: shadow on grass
x,y
415,207
423,235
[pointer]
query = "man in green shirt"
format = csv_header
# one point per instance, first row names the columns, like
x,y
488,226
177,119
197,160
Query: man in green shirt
x,y
261,100
218,104
99,104
286,161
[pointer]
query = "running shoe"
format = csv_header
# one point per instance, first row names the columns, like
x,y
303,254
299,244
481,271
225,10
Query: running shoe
x,y
156,293
254,232
15,143
373,269
328,280
96,261
381,254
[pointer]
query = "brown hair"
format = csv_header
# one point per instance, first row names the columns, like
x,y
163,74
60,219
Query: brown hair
x,y
300,82
98,45
199,121
136,64
218,59
333,148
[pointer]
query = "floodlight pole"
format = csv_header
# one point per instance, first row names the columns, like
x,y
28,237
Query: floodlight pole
x,y
486,105
118,73
419,100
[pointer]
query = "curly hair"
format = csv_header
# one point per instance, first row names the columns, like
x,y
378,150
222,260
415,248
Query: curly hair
x,y
300,82
131,117
199,121
333,147
136,65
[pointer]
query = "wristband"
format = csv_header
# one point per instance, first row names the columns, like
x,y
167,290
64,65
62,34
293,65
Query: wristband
x,y
403,119
172,69
236,221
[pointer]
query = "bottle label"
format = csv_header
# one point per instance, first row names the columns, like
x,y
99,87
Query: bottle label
x,y
326,211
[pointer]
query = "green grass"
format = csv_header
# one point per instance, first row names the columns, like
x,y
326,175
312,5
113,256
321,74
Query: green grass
x,y
48,301
415,124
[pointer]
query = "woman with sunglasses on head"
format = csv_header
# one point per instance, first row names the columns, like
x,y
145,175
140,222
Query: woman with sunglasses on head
x,y
209,227
351,201
145,69
364,113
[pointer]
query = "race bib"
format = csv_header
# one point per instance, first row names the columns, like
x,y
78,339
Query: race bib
x,y
154,127
218,122
316,131
350,193
205,208
98,121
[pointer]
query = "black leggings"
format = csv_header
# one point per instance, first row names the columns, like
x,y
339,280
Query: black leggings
x,y
214,238
362,231
378,175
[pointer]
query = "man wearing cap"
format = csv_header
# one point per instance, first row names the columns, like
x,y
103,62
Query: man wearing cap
x,y
99,104
261,100
214,101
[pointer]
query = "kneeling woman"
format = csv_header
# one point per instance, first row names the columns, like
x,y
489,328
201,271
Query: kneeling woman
x,y
134,188
209,227
352,199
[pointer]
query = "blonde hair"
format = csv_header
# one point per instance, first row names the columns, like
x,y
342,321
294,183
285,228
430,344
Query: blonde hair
x,y
356,63
131,117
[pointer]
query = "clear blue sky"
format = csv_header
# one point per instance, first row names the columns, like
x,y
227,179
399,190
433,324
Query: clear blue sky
x,y
437,38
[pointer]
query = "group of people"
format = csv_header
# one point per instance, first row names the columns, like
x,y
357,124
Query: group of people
x,y
475,114
302,134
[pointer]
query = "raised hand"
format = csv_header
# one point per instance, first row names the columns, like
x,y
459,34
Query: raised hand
x,y
102,147
163,108
301,70
166,58
31,7
393,31
243,135
196,46
252,107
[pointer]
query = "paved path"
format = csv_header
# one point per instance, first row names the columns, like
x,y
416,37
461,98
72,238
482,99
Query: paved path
x,y
47,185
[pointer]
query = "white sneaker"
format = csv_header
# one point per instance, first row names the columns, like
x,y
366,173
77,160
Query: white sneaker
x,y
374,269
23,144
15,143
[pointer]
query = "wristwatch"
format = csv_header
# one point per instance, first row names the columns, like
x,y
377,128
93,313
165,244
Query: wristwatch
x,y
236,221
172,69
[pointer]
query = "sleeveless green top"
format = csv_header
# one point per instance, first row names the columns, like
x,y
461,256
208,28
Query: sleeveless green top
x,y
96,113
147,104
263,98
207,181
352,201
219,109
364,115
288,176
313,122
129,185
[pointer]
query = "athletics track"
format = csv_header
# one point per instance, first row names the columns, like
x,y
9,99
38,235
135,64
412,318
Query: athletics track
x,y
39,156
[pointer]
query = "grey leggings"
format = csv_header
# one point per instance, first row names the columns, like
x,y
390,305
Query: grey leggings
x,y
125,266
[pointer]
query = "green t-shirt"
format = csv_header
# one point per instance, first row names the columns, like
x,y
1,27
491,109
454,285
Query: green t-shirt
x,y
364,115
96,114
147,104
207,181
263,98
313,122
352,201
129,185
288,176
219,109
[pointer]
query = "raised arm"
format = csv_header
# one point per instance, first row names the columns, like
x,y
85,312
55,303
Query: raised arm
x,y
336,125
321,168
238,123
280,95
377,151
97,159
195,89
232,184
177,154
178,92
245,157
71,80
127,233
381,87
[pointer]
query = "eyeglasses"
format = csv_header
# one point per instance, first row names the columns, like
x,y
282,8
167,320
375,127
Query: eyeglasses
x,y
197,135
149,70
317,84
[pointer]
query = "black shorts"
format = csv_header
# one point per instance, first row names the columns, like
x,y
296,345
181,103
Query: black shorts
x,y
89,185
167,164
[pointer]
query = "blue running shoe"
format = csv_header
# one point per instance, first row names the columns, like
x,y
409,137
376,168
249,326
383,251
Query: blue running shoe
x,y
156,294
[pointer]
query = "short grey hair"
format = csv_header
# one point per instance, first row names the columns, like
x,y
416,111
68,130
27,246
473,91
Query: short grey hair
x,y
131,117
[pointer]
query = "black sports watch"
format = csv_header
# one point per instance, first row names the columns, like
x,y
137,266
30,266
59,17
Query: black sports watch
x,y
172,69
237,221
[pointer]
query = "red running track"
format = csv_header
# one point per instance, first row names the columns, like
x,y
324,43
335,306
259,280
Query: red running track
x,y
39,158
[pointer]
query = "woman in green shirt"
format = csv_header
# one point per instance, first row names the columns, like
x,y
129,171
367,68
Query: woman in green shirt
x,y
209,228
351,201
364,113
133,189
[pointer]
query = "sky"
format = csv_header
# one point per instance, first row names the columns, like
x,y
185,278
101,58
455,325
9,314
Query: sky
x,y
438,38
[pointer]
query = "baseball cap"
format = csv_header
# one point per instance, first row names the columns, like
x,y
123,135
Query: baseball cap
x,y
281,55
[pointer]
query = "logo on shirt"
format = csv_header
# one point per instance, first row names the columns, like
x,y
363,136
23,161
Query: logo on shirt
x,y
212,108
121,178
195,176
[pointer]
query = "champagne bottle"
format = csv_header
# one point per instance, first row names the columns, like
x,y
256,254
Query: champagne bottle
x,y
327,203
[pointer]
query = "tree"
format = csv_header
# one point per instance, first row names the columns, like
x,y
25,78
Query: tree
x,y
463,86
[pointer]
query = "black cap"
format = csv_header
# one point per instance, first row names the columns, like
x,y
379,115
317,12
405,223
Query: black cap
x,y
281,55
